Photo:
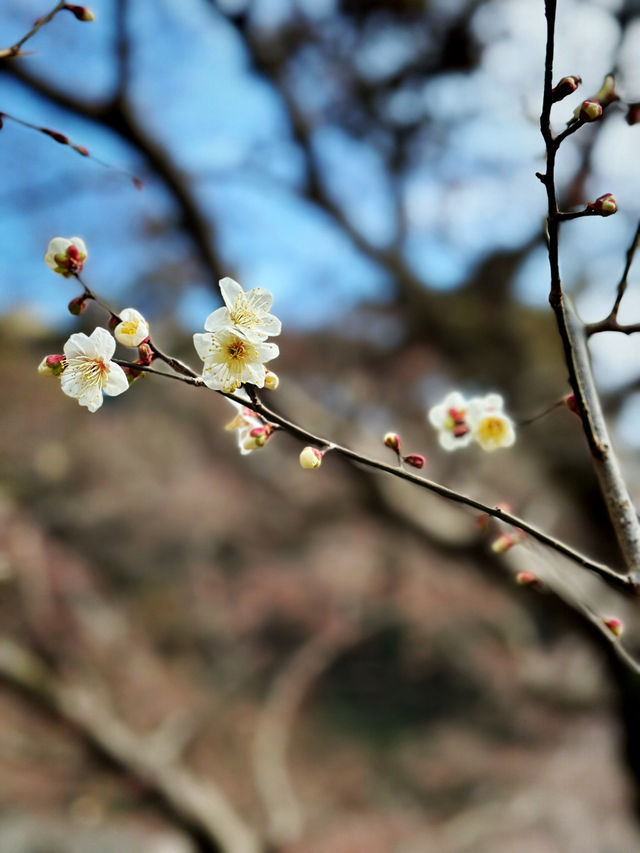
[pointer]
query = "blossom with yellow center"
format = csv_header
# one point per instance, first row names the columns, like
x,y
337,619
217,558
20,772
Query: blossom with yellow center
x,y
247,314
450,419
132,330
490,427
231,360
89,371
66,256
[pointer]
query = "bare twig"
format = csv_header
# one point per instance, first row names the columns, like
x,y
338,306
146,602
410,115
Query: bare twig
x,y
610,322
199,804
574,340
14,50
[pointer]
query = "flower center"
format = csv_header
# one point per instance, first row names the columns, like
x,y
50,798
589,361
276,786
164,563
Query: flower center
x,y
93,371
129,327
492,429
242,314
237,350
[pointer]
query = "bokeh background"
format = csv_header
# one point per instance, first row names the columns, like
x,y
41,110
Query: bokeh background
x,y
341,662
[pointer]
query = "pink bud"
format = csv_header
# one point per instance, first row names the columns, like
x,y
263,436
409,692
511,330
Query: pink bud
x,y
570,403
113,322
615,626
605,205
58,137
145,354
503,543
590,110
81,150
392,441
78,305
526,579
415,460
565,87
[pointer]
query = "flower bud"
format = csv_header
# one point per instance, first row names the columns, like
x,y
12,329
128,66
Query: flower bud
x,y
590,110
616,626
605,205
82,13
132,329
571,404
415,460
527,579
78,305
503,543
52,365
145,354
311,458
392,441
565,87
66,256
271,380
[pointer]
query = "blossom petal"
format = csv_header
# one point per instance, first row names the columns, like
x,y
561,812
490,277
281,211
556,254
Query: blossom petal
x,y
104,343
78,345
218,319
117,382
230,291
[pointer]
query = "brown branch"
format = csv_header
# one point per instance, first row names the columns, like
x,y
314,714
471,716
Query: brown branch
x,y
610,322
574,340
199,804
14,50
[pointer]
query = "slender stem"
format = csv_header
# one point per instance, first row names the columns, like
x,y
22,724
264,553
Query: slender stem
x,y
254,403
573,335
610,322
14,50
132,365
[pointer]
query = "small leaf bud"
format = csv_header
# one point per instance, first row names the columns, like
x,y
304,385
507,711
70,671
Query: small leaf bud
x,y
52,365
415,460
392,441
310,458
271,380
78,305
590,110
565,87
616,626
57,137
82,13
605,205
81,150
571,404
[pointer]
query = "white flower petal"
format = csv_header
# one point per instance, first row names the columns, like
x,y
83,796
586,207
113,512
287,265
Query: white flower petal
x,y
230,290
218,319
77,345
117,382
103,342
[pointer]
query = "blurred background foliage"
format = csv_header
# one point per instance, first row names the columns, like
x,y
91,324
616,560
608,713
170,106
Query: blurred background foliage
x,y
373,164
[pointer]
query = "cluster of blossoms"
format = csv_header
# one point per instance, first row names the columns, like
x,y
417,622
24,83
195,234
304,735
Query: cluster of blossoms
x,y
481,420
233,347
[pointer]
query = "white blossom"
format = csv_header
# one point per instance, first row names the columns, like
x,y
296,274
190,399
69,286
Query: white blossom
x,y
133,328
66,256
310,458
89,371
231,360
246,314
450,419
490,427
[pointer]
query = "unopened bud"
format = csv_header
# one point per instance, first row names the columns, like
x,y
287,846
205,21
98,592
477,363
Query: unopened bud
x,y
590,110
616,626
271,380
113,322
503,543
145,354
571,404
82,13
55,135
392,441
52,365
605,205
415,460
78,305
565,87
310,458
527,579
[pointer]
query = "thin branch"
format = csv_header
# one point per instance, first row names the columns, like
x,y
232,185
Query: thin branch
x,y
199,804
14,50
610,322
574,340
